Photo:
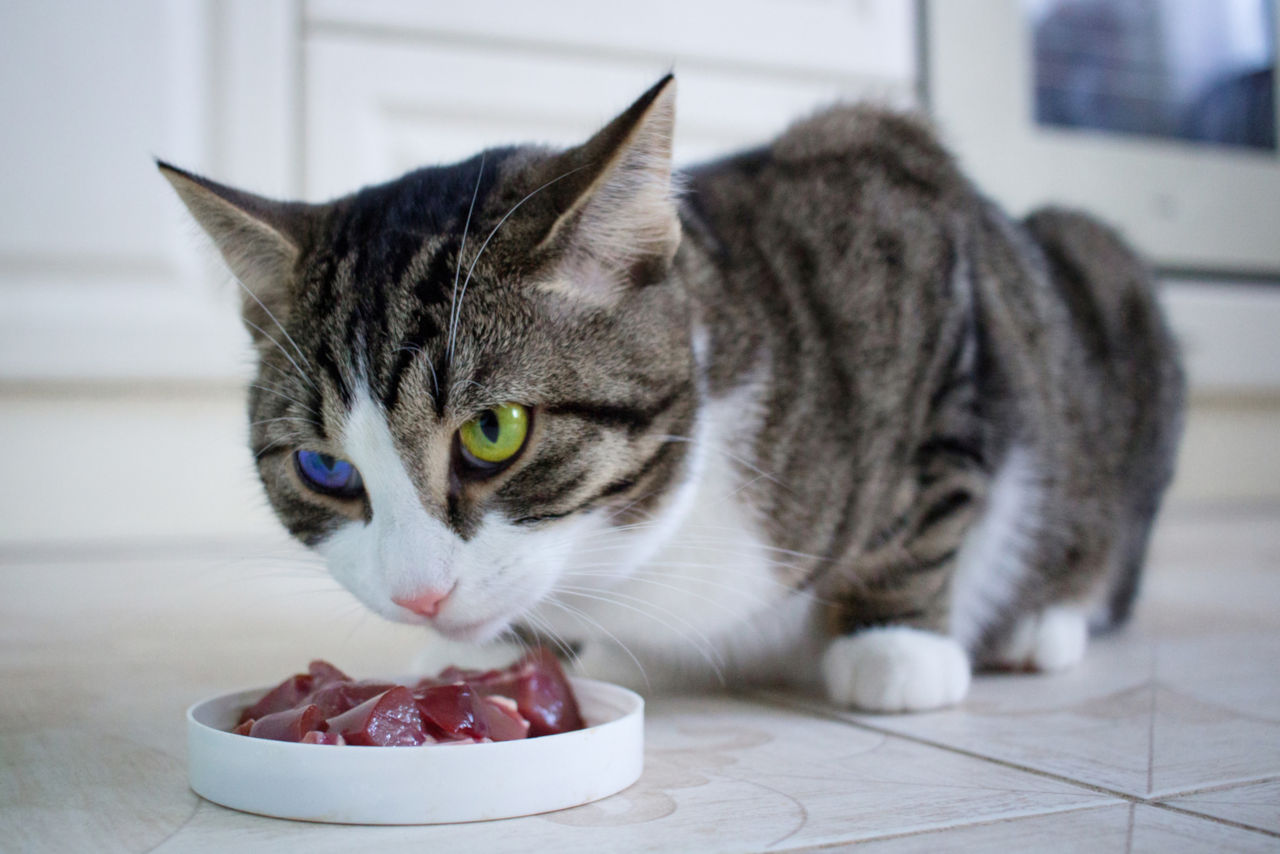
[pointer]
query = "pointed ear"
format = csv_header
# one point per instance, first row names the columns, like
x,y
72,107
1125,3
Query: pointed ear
x,y
617,222
259,239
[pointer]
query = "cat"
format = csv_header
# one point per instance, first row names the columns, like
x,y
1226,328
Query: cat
x,y
817,412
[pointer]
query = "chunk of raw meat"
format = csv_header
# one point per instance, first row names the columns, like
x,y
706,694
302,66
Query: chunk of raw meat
x,y
338,697
389,719
289,725
503,720
539,687
322,672
452,711
283,697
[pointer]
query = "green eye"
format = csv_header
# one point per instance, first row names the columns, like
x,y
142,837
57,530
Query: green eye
x,y
495,435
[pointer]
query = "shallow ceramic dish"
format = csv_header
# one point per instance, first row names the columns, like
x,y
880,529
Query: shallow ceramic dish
x,y
432,784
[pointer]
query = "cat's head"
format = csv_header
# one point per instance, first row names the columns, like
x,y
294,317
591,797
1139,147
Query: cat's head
x,y
468,372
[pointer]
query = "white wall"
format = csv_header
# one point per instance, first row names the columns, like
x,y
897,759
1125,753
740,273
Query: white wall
x,y
120,351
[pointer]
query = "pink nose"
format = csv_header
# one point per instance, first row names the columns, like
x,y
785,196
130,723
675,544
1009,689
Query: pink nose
x,y
426,603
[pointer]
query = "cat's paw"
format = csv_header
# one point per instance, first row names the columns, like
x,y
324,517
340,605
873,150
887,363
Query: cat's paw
x,y
1053,639
896,669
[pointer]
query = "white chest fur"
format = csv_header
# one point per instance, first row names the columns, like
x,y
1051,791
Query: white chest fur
x,y
692,595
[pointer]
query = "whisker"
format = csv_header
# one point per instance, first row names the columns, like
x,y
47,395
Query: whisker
x,y
740,460
706,648
612,531
545,627
768,548
714,602
663,569
278,393
462,295
708,545
274,320
510,637
585,618
631,504
285,375
271,445
481,386
284,418
771,556
435,383
301,373
457,267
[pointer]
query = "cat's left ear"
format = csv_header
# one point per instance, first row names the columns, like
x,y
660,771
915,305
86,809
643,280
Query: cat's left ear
x,y
260,239
617,224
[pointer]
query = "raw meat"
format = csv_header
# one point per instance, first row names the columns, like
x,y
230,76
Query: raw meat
x,y
537,684
387,720
325,706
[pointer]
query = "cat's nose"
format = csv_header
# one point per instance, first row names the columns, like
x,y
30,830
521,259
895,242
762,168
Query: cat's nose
x,y
427,603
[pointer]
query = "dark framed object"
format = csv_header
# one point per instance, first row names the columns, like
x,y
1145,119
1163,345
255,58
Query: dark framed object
x,y
1160,115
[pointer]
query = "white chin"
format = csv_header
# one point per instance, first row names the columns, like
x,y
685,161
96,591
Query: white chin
x,y
485,630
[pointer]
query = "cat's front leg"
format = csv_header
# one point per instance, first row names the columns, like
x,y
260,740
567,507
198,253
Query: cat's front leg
x,y
892,610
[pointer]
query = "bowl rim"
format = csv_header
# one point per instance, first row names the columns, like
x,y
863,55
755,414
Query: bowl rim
x,y
634,704
418,784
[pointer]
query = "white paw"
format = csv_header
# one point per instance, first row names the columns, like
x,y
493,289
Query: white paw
x,y
1053,639
896,669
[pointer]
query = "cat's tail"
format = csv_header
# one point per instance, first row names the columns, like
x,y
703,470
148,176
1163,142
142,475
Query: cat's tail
x,y
1112,297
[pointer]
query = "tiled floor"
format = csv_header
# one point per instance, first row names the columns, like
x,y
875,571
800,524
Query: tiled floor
x,y
1166,739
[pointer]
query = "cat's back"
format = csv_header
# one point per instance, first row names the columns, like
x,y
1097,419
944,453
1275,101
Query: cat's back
x,y
863,135
829,162
837,237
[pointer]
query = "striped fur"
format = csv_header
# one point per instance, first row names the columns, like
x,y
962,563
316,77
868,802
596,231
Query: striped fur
x,y
828,390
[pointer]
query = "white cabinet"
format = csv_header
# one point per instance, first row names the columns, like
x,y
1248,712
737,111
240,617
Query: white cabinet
x,y
102,275
394,85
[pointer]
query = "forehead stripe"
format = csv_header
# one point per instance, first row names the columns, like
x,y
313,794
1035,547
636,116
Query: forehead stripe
x,y
324,357
635,418
429,292
413,347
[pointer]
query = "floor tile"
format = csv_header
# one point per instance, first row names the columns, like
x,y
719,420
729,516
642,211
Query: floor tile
x,y
1126,828
1165,832
1253,804
82,789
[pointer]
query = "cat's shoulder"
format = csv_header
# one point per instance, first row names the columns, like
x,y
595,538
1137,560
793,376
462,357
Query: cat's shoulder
x,y
903,143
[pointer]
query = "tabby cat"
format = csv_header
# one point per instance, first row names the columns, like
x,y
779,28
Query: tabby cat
x,y
816,411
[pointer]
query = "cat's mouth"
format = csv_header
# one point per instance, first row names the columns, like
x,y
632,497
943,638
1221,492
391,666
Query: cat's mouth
x,y
440,614
471,631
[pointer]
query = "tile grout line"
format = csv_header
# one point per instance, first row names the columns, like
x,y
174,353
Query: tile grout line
x,y
1151,719
832,715
1219,819
924,831
199,804
1220,787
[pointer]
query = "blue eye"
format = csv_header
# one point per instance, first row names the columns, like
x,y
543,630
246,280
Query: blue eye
x,y
327,474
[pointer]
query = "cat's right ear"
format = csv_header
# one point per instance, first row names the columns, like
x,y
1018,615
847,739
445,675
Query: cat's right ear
x,y
616,222
260,240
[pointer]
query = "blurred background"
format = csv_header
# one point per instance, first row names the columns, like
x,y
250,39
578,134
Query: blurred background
x,y
122,361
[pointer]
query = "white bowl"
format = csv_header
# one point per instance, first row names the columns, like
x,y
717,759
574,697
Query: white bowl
x,y
431,784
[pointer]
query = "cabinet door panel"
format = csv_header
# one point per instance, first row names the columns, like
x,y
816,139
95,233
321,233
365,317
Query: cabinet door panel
x,y
866,38
377,108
